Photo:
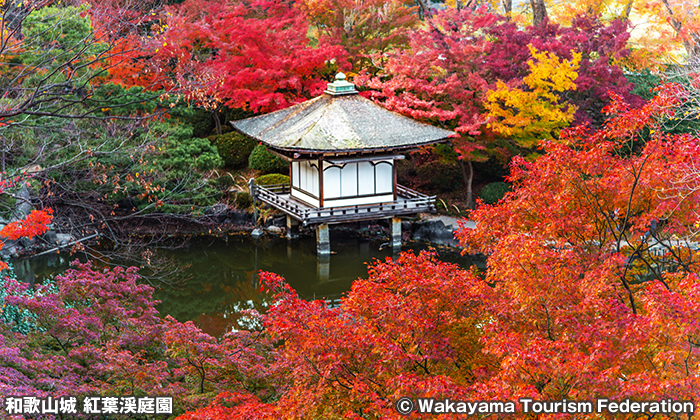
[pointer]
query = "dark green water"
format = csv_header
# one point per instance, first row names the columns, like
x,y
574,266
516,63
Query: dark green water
x,y
216,278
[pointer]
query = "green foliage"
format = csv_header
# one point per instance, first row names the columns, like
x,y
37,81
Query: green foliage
x,y
159,166
59,35
55,31
201,120
123,101
644,83
168,175
272,179
494,191
225,181
243,200
7,204
234,148
177,171
20,320
262,160
446,153
51,63
185,153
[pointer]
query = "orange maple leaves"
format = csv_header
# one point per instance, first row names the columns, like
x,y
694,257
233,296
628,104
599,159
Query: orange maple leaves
x,y
36,223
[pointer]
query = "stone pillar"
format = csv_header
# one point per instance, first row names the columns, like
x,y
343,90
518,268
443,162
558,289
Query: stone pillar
x,y
292,227
396,232
323,240
323,267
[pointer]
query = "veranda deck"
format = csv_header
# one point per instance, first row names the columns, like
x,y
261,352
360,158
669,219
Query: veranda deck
x,y
408,202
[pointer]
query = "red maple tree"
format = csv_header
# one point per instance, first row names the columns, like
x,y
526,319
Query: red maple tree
x,y
253,56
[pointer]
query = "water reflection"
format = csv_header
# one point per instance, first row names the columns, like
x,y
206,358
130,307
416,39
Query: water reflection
x,y
35,270
222,273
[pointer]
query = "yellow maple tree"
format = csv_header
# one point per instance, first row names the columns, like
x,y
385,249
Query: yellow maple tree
x,y
535,111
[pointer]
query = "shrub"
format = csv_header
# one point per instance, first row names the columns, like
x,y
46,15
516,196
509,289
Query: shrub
x,y
262,160
185,155
243,200
272,179
174,178
234,148
225,182
494,191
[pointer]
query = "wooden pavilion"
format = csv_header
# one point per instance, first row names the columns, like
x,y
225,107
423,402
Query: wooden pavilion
x,y
342,150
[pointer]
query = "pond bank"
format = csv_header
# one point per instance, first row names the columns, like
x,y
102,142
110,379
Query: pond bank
x,y
217,220
427,228
210,280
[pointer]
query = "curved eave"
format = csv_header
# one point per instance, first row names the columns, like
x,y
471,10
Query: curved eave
x,y
337,152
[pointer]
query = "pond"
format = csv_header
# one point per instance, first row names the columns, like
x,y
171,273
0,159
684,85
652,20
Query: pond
x,y
217,276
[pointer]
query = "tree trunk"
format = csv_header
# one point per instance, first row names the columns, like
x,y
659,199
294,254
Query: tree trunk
x,y
692,48
692,42
507,7
539,12
217,121
628,10
424,8
468,182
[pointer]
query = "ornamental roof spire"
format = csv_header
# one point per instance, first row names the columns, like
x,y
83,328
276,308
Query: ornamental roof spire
x,y
340,86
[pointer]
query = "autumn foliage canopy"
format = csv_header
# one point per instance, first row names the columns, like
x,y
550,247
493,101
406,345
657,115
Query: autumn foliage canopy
x,y
591,288
591,291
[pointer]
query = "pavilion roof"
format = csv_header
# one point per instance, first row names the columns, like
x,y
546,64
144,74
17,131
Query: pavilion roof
x,y
339,122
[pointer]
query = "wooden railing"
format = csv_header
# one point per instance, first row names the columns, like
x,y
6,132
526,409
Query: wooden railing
x,y
411,202
409,193
272,195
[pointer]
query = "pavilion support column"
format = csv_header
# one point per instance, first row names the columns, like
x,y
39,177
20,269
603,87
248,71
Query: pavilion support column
x,y
292,227
323,267
396,232
323,240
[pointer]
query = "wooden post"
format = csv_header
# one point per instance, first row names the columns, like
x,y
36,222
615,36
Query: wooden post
x,y
292,227
396,232
251,188
323,240
320,182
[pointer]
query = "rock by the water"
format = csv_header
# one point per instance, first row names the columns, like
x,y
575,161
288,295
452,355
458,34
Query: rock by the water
x,y
23,206
280,221
435,231
9,250
274,229
26,242
63,239
50,237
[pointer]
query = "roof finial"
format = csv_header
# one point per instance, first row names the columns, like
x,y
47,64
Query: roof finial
x,y
340,86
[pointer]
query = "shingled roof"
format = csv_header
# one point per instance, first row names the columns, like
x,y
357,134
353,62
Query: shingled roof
x,y
340,120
